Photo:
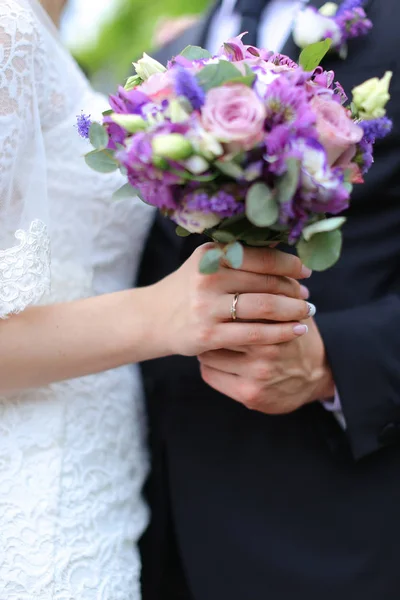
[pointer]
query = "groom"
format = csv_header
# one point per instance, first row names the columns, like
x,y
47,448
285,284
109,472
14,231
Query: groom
x,y
283,501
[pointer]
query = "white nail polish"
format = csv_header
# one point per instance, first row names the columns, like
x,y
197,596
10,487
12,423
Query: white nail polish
x,y
311,310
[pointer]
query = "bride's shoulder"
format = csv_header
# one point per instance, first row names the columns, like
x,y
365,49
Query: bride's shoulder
x,y
18,20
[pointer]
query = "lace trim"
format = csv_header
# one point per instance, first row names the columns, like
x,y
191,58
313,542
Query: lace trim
x,y
25,269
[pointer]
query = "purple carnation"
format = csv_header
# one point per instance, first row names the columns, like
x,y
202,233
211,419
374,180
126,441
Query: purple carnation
x,y
186,85
83,123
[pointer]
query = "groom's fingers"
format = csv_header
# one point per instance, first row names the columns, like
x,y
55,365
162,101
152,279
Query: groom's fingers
x,y
244,281
228,361
273,262
263,307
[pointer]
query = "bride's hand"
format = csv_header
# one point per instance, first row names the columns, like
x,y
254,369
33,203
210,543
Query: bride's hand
x,y
196,314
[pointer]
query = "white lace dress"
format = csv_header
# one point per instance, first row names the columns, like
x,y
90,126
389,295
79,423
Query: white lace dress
x,y
72,455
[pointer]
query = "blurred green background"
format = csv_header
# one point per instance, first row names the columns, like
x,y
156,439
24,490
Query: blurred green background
x,y
129,30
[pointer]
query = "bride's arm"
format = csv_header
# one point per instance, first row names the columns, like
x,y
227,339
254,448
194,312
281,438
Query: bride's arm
x,y
186,313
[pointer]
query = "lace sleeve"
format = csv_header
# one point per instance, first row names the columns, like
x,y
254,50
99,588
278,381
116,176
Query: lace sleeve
x,y
24,240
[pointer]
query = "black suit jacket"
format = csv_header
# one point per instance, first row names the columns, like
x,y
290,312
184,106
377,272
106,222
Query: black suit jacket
x,y
282,507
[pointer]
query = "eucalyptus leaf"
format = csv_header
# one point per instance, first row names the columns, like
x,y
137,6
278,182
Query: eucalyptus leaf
x,y
323,226
98,136
312,55
322,251
195,53
261,207
287,184
217,74
182,232
210,262
234,255
126,191
222,236
101,161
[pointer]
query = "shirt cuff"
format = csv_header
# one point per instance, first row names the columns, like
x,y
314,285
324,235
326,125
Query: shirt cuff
x,y
334,406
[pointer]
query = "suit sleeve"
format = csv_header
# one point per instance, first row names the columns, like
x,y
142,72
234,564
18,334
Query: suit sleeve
x,y
363,348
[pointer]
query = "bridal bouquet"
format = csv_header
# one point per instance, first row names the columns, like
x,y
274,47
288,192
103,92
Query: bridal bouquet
x,y
246,146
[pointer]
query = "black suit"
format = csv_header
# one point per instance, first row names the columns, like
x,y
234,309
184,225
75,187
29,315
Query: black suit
x,y
275,508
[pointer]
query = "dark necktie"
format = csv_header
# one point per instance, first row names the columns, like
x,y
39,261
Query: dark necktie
x,y
250,12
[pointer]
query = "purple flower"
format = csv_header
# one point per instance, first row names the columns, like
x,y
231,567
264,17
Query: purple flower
x,y
353,23
153,183
221,203
365,155
349,5
128,102
186,85
376,129
287,104
116,133
83,123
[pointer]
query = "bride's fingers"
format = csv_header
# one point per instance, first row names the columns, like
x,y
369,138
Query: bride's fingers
x,y
273,262
263,307
231,335
244,281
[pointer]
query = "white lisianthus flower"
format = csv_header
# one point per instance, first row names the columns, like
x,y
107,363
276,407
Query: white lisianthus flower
x,y
195,221
329,9
311,27
370,98
147,66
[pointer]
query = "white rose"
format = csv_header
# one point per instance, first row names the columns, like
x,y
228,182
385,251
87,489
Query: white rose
x,y
311,27
195,221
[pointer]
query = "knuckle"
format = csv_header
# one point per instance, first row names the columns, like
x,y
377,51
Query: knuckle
x,y
265,305
272,353
295,266
204,336
251,396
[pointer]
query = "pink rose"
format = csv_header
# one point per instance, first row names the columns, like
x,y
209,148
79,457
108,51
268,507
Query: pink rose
x,y
337,131
235,116
158,87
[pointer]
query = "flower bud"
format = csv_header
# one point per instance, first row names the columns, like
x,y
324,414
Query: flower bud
x,y
173,146
370,98
133,82
147,66
132,123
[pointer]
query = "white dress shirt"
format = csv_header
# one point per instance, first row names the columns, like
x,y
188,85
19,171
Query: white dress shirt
x,y
275,27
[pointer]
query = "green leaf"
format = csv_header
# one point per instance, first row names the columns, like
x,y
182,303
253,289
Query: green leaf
x,y
195,53
101,161
323,226
287,184
322,251
217,74
108,112
126,191
234,255
98,136
222,236
261,207
211,261
182,232
312,56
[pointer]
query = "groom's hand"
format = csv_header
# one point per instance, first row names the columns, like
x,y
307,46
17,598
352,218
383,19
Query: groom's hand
x,y
274,379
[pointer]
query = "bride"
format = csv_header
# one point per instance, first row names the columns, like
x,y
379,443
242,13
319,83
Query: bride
x,y
72,452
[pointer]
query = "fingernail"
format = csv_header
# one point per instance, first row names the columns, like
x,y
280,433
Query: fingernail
x,y
300,329
304,292
305,272
311,310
